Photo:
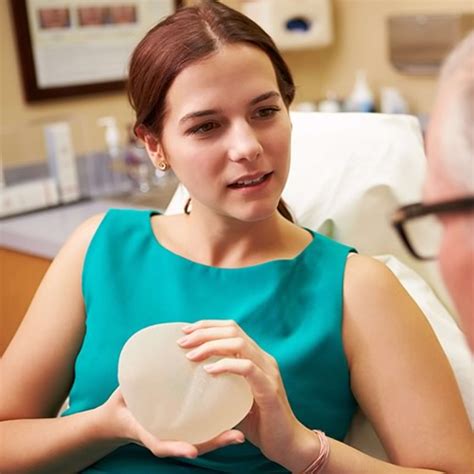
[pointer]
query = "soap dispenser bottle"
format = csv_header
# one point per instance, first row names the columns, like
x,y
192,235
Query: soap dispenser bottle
x,y
361,98
114,151
112,135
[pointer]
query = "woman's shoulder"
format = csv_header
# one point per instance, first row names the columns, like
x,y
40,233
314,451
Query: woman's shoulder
x,y
112,222
91,224
85,231
376,305
367,275
71,255
374,299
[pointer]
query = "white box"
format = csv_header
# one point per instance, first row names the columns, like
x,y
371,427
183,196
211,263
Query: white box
x,y
28,196
297,24
62,161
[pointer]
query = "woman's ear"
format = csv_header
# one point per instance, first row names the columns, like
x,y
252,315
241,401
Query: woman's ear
x,y
152,145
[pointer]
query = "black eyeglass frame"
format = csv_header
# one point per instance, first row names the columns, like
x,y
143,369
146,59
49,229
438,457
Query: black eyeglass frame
x,y
419,209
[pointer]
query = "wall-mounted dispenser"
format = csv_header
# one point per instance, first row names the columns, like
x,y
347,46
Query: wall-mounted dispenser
x,y
301,24
418,44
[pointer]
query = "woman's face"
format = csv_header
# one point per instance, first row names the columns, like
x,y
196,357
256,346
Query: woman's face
x,y
226,134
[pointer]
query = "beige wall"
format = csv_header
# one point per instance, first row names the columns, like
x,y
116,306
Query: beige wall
x,y
19,120
360,43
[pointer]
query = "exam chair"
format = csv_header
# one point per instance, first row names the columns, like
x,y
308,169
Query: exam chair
x,y
349,172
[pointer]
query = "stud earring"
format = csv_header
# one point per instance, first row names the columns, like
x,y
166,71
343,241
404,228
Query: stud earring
x,y
162,166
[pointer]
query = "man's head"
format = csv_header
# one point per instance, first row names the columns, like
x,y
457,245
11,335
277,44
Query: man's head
x,y
450,152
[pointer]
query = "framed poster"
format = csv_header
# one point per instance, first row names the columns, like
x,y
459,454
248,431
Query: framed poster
x,y
74,47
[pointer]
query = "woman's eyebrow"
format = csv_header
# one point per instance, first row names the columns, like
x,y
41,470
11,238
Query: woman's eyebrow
x,y
204,113
199,113
265,96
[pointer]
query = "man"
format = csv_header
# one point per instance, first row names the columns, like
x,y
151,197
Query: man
x,y
449,187
450,177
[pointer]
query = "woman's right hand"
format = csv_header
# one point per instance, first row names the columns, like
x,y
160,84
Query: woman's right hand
x,y
125,427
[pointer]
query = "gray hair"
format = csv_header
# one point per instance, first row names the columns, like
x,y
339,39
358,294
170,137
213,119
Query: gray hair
x,y
457,140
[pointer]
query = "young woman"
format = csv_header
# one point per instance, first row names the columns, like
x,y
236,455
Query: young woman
x,y
315,333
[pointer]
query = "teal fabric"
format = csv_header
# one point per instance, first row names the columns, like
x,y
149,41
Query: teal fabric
x,y
291,308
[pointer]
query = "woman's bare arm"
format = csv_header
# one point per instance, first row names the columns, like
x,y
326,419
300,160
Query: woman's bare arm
x,y
55,445
400,375
37,373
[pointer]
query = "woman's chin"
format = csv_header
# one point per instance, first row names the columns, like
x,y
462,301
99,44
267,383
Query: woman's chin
x,y
256,213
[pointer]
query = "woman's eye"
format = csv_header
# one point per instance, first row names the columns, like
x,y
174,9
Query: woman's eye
x,y
267,112
203,128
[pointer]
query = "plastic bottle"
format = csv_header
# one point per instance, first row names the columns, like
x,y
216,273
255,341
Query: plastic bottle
x,y
137,163
392,102
330,103
112,136
361,98
114,150
306,106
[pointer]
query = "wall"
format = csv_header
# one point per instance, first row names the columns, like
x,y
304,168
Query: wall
x,y
18,120
360,43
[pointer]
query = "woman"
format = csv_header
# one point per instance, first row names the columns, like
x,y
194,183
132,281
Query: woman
x,y
315,333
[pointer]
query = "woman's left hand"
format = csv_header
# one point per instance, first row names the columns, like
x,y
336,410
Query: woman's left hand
x,y
271,424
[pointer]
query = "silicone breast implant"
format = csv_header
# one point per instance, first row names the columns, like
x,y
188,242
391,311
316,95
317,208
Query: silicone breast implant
x,y
173,397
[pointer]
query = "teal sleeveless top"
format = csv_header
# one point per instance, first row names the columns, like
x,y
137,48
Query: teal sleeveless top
x,y
291,308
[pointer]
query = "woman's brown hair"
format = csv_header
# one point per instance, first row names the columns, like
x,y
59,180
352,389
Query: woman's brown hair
x,y
189,35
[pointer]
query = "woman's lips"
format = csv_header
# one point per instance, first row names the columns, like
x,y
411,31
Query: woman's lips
x,y
250,182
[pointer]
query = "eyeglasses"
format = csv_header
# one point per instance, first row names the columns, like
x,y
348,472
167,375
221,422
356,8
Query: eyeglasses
x,y
419,228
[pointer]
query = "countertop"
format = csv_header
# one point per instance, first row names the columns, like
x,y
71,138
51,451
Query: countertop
x,y
43,233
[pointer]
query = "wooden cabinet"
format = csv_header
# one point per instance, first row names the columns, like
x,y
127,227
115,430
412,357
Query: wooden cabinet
x,y
20,276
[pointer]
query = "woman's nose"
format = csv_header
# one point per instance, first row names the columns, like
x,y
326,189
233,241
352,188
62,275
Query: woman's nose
x,y
244,143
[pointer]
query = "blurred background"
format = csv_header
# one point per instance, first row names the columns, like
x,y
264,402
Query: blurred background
x,y
65,141
360,40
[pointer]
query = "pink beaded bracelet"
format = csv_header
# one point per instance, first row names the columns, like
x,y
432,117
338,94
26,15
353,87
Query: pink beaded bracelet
x,y
318,464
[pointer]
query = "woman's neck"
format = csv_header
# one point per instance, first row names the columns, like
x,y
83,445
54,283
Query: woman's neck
x,y
231,243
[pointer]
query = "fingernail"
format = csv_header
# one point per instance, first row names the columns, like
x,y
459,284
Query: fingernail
x,y
182,340
191,354
238,441
187,328
209,367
